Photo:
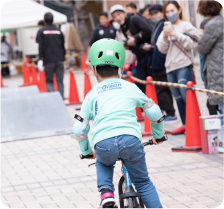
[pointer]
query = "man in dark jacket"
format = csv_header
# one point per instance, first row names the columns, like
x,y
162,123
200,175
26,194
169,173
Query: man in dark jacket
x,y
157,66
52,52
102,30
137,31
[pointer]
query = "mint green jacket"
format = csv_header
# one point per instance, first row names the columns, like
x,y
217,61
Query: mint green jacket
x,y
111,105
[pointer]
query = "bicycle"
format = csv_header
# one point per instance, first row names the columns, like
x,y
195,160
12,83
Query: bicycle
x,y
128,197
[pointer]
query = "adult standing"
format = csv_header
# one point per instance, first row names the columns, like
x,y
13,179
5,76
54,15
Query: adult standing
x,y
129,56
131,8
52,53
179,60
102,30
157,65
146,14
211,45
137,31
5,49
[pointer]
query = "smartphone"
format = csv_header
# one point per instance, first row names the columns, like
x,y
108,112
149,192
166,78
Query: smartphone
x,y
167,26
191,36
146,45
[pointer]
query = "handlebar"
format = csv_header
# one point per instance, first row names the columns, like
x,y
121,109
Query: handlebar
x,y
150,142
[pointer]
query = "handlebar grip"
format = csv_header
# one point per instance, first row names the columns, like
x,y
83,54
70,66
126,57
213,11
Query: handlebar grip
x,y
85,156
164,138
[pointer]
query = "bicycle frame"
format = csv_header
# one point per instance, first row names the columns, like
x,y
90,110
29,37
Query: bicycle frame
x,y
126,176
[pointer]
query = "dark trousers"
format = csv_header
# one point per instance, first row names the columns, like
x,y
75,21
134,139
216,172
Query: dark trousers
x,y
58,69
5,70
164,96
213,109
141,71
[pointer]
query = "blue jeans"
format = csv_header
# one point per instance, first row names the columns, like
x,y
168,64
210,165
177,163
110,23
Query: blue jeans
x,y
180,76
221,111
131,152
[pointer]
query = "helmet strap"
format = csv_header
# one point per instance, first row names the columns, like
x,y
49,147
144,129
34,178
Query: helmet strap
x,y
119,72
96,75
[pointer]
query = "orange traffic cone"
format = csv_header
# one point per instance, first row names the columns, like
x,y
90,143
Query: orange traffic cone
x,y
33,74
193,134
87,83
83,62
150,93
42,82
137,109
1,80
73,92
26,73
55,82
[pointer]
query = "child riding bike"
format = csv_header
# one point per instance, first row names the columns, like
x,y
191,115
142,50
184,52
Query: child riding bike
x,y
117,134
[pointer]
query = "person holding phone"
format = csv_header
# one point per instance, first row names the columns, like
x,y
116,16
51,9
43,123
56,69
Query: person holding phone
x,y
177,48
211,44
157,65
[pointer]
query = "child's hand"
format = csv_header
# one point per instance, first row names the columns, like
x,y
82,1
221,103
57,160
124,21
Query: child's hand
x,y
154,141
92,153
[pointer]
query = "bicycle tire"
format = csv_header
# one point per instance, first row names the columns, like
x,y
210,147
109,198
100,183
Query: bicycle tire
x,y
130,201
120,190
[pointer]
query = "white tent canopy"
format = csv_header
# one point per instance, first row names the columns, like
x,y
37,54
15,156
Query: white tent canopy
x,y
25,13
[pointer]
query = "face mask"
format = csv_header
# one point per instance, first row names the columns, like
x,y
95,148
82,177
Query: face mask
x,y
116,25
172,17
156,19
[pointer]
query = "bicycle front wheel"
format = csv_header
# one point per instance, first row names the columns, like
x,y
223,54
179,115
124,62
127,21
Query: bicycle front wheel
x,y
130,202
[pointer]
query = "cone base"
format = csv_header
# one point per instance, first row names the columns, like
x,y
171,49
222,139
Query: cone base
x,y
73,103
145,134
141,120
186,149
25,85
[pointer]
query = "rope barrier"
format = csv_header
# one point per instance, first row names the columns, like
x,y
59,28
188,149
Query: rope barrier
x,y
158,83
176,85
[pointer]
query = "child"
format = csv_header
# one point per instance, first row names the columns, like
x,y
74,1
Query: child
x,y
111,105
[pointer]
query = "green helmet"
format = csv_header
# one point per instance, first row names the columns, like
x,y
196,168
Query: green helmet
x,y
107,52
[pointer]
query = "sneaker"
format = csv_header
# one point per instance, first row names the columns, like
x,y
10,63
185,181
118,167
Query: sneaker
x,y
170,119
179,130
107,199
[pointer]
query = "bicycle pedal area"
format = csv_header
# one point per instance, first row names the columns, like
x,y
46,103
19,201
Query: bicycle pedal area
x,y
47,172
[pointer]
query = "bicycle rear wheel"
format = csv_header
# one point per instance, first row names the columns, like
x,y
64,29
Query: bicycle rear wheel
x,y
131,202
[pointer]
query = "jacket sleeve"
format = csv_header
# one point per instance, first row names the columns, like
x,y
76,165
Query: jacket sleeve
x,y
63,44
208,38
93,37
86,112
41,44
185,41
163,44
144,28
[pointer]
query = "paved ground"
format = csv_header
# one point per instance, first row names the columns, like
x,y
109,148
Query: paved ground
x,y
47,172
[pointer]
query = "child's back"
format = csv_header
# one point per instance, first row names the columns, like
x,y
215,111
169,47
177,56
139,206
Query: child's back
x,y
111,105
